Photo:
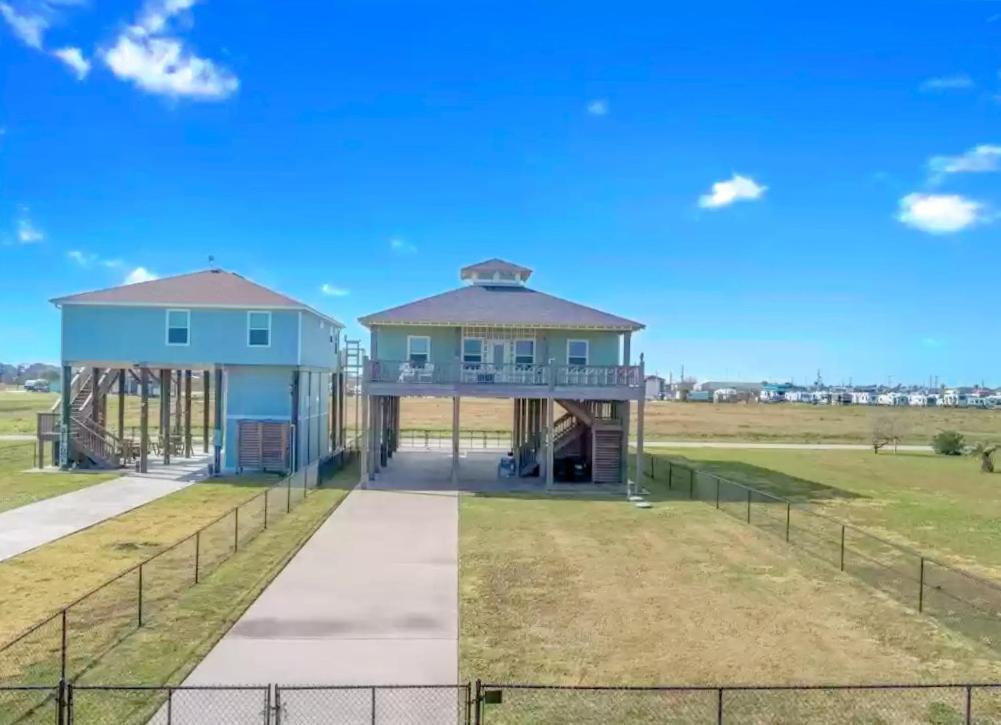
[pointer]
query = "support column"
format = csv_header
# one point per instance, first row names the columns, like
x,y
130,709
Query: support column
x,y
332,418
550,453
206,390
165,383
121,404
95,395
640,408
217,435
187,414
624,458
455,440
143,420
364,440
66,423
296,433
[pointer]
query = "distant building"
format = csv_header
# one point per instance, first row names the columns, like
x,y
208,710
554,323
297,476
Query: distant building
x,y
776,392
655,386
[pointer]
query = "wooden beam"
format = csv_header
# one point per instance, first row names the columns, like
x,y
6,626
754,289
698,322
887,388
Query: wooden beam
x,y
66,429
144,421
177,405
217,442
165,383
95,395
187,414
206,389
121,404
550,452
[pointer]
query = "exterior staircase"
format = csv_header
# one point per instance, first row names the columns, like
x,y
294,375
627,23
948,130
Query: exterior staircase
x,y
91,444
591,418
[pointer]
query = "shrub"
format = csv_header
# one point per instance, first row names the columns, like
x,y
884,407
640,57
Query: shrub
x,y
948,443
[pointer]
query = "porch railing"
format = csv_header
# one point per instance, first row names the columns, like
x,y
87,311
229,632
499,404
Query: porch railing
x,y
451,373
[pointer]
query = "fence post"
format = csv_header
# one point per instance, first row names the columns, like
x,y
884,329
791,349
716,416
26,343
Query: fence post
x,y
842,547
719,706
236,529
374,721
478,702
198,552
170,705
717,491
921,586
278,705
267,495
748,505
288,504
969,705
64,696
691,483
670,475
140,618
788,512
62,647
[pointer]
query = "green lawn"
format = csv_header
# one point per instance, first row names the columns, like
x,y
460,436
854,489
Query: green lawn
x,y
19,485
940,505
18,408
40,582
181,622
555,590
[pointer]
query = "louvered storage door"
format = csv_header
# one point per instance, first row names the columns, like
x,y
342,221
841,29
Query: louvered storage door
x,y
606,466
263,445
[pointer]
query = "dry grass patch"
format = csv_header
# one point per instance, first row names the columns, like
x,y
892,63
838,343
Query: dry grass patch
x,y
557,591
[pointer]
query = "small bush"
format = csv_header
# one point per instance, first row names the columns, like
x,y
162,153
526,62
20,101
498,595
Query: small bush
x,y
949,443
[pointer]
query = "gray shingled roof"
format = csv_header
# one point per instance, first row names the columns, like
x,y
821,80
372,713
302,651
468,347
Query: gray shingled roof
x,y
495,265
207,288
500,305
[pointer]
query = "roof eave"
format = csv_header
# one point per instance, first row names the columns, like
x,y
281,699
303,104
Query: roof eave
x,y
61,301
628,327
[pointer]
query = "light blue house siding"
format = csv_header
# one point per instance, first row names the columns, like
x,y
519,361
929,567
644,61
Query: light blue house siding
x,y
390,343
257,380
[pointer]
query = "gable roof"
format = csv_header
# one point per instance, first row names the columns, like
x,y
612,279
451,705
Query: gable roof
x,y
500,305
207,288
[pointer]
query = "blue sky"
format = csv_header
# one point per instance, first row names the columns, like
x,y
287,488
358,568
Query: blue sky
x,y
772,188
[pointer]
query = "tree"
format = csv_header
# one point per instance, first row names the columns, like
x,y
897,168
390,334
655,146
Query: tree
x,y
886,429
948,443
986,453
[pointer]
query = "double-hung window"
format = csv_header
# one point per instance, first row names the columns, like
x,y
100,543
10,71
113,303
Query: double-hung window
x,y
524,352
472,351
258,329
178,327
577,353
418,350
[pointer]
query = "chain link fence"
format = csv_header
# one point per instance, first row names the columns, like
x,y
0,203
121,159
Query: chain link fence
x,y
385,705
519,704
965,602
183,705
69,643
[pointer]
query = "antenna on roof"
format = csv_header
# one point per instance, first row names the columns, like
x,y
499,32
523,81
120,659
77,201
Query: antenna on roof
x,y
212,265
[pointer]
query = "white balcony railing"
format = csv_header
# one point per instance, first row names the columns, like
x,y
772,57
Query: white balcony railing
x,y
416,373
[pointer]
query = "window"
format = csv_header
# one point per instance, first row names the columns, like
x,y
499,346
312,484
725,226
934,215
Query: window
x,y
418,350
577,351
178,327
524,352
259,329
472,351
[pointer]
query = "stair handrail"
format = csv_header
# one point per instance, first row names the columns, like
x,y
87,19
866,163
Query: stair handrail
x,y
95,439
75,384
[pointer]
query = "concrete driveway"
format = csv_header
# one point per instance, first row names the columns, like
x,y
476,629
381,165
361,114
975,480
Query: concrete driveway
x,y
371,599
27,527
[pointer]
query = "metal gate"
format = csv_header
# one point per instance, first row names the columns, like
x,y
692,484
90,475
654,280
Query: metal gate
x,y
381,705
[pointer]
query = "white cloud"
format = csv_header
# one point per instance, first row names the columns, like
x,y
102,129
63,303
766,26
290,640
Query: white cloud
x,y
159,63
140,274
598,107
27,232
980,159
737,188
75,60
29,28
333,291
402,246
957,82
940,213
88,260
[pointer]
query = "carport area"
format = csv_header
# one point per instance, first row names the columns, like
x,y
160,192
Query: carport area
x,y
431,470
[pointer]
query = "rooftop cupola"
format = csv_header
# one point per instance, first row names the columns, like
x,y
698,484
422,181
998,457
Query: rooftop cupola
x,y
495,272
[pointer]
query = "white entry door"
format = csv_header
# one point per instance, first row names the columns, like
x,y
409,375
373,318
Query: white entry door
x,y
498,353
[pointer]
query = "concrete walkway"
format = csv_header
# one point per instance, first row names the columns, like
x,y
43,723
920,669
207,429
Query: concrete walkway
x,y
31,526
371,599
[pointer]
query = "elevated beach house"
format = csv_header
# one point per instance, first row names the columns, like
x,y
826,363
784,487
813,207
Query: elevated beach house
x,y
566,368
267,367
